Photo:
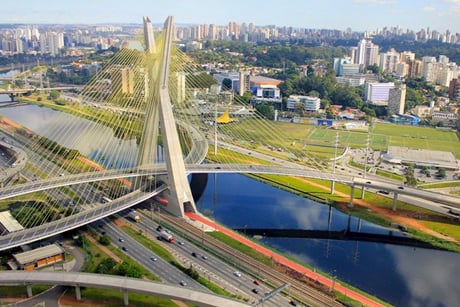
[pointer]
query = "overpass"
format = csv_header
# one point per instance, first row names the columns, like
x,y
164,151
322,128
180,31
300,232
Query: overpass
x,y
160,169
103,210
111,282
16,92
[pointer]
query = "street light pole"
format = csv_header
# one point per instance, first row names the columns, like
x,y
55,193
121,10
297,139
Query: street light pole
x,y
334,162
215,127
366,157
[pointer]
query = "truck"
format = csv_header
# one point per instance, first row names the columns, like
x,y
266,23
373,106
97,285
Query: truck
x,y
134,216
161,200
166,236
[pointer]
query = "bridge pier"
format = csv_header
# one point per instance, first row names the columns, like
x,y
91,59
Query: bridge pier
x,y
352,192
125,298
395,201
29,290
77,293
12,97
363,191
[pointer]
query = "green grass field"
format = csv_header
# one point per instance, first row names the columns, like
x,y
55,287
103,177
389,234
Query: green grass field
x,y
320,141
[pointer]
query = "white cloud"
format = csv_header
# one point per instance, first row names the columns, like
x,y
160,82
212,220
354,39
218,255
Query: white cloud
x,y
429,8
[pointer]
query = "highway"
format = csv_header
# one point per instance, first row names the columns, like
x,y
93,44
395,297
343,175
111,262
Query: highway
x,y
299,290
142,255
209,265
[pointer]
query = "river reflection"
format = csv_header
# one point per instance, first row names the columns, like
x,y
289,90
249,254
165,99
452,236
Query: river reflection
x,y
403,276
80,134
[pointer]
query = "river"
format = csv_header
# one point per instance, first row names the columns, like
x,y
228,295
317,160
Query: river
x,y
402,276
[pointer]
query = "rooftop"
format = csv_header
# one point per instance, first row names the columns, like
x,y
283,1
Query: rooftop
x,y
9,222
38,253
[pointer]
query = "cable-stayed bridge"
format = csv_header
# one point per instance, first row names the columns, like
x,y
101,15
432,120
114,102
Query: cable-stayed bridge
x,y
146,99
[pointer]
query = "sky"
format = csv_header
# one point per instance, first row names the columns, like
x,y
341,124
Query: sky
x,y
359,15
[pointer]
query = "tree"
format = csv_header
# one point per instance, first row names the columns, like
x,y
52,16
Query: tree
x,y
106,266
313,93
410,177
125,269
104,240
442,172
266,110
374,68
247,97
54,95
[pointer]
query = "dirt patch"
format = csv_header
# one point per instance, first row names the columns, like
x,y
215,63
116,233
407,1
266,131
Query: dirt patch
x,y
103,248
400,217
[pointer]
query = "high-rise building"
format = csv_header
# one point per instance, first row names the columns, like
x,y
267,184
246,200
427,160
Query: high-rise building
x,y
454,88
429,68
397,99
389,60
368,53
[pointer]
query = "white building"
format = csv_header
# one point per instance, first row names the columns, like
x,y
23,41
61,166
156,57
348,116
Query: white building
x,y
378,93
311,104
389,60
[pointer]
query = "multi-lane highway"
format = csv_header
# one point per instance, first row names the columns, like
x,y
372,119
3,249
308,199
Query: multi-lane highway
x,y
208,265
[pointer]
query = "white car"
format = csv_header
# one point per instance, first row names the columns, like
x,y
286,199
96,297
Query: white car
x,y
237,274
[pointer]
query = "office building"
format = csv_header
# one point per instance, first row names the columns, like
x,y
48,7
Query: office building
x,y
397,99
377,93
311,104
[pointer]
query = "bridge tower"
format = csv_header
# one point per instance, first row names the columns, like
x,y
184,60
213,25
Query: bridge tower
x,y
159,114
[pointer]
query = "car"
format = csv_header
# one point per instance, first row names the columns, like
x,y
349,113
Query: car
x,y
183,283
256,282
124,248
293,303
218,167
255,290
204,257
153,258
194,254
180,243
401,188
159,228
368,182
121,240
237,274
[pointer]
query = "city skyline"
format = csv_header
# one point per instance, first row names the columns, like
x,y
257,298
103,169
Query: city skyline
x,y
359,15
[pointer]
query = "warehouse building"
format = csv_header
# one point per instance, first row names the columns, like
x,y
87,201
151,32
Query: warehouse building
x,y
8,223
39,257
421,157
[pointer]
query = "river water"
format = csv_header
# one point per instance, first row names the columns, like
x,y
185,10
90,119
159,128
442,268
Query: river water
x,y
402,276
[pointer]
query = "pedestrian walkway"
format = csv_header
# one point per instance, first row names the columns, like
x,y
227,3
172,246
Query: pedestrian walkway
x,y
295,266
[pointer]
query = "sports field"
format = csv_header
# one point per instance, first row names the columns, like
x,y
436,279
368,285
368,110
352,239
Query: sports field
x,y
321,140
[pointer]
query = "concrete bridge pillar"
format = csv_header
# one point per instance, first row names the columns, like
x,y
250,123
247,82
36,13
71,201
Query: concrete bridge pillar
x,y
125,298
77,293
363,191
352,192
395,201
29,290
